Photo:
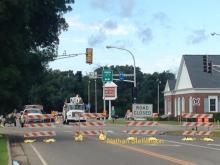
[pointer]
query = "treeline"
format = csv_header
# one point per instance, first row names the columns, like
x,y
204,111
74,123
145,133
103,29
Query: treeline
x,y
54,87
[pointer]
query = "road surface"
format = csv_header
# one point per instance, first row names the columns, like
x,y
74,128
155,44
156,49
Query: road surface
x,y
65,151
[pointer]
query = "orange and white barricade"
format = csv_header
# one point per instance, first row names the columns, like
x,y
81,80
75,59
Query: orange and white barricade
x,y
199,123
145,124
87,128
30,125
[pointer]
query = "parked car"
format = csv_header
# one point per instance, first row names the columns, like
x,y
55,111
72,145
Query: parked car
x,y
28,116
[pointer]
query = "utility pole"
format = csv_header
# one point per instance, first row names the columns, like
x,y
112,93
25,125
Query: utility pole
x,y
89,95
95,97
158,96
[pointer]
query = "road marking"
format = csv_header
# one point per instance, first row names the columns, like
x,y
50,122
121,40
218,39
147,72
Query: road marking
x,y
157,155
68,131
109,131
39,155
165,145
194,145
218,145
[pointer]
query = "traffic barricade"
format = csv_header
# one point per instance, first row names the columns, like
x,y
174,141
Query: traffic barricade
x,y
35,130
193,133
144,124
87,128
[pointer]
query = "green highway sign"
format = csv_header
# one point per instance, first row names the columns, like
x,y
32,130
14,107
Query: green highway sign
x,y
107,75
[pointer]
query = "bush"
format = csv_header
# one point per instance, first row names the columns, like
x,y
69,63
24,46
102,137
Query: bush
x,y
216,116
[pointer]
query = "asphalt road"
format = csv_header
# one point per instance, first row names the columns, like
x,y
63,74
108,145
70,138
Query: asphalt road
x,y
65,151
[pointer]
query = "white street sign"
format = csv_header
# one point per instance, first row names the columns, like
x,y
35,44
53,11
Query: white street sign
x,y
196,101
142,110
110,91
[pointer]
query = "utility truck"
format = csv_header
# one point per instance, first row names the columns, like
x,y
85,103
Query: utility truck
x,y
73,109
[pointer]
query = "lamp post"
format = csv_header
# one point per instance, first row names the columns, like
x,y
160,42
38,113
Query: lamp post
x,y
134,90
158,96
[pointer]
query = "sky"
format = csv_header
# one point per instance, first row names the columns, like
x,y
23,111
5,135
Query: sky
x,y
157,32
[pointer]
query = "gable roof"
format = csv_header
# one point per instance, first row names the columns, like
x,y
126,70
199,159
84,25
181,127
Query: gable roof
x,y
199,78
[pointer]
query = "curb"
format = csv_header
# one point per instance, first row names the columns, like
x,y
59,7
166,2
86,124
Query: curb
x,y
9,152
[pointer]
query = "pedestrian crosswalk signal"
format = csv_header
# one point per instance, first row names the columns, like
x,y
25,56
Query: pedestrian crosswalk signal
x,y
89,55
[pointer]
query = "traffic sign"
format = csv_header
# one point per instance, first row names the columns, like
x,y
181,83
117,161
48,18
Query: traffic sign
x,y
107,75
121,76
196,101
142,110
109,91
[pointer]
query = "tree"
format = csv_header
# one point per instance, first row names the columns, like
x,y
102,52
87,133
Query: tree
x,y
29,33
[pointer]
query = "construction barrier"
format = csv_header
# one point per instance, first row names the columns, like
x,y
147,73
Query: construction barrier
x,y
193,125
197,124
84,128
141,124
30,125
92,115
193,115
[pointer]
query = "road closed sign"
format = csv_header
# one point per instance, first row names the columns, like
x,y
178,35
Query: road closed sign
x,y
142,110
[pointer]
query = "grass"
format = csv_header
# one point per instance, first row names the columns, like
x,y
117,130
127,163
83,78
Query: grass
x,y
118,121
123,121
3,151
170,122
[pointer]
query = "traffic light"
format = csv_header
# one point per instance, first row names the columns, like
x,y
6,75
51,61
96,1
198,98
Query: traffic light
x,y
89,55
210,67
205,63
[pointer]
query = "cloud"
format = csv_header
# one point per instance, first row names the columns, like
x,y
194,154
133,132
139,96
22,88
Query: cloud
x,y
162,19
146,35
197,36
127,7
97,38
100,4
123,43
74,21
110,25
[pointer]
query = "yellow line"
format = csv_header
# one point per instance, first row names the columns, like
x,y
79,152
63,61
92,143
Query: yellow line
x,y
154,154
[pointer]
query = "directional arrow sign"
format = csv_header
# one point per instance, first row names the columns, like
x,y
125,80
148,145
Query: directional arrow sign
x,y
121,76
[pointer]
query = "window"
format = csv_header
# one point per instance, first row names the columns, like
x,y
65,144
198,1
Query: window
x,y
213,103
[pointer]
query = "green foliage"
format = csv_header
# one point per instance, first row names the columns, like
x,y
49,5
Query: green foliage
x,y
3,151
216,117
29,33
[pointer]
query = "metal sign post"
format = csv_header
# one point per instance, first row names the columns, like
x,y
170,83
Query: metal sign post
x,y
109,93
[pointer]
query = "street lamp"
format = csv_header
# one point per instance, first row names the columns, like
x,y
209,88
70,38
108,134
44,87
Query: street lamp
x,y
134,90
158,96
